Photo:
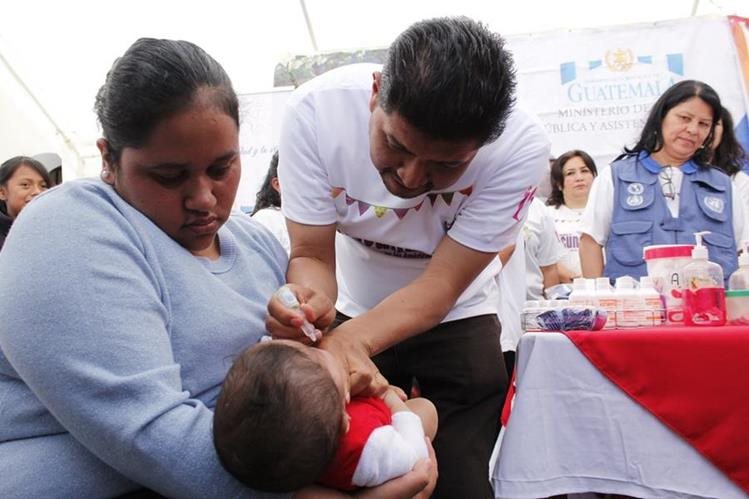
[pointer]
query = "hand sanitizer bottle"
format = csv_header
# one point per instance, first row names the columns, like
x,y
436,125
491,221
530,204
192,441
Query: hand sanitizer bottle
x,y
739,280
704,294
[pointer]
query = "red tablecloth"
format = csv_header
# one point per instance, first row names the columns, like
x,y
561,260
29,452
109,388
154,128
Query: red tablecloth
x,y
694,380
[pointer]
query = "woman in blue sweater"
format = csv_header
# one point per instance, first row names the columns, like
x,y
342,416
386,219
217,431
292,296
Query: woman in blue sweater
x,y
132,294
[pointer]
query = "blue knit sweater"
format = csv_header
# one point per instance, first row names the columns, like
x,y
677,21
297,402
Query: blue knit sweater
x,y
114,341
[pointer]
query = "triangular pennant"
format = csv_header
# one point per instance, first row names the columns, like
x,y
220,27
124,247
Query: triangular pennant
x,y
467,191
400,212
349,200
418,206
380,211
432,197
448,197
335,191
363,207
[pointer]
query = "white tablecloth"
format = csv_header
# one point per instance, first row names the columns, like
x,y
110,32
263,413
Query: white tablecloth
x,y
572,430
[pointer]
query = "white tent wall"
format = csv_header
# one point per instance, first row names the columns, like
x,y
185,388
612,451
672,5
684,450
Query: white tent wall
x,y
26,130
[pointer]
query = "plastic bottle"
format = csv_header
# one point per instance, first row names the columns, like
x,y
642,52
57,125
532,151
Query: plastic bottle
x,y
629,304
654,307
739,280
704,293
606,300
583,293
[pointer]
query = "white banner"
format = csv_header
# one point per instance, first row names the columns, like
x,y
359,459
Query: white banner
x,y
592,89
260,129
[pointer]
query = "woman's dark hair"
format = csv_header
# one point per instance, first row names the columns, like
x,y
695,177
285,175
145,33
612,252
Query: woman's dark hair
x,y
729,155
450,78
556,198
9,167
267,196
651,138
154,80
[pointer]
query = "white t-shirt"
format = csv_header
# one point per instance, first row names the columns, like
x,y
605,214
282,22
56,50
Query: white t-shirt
x,y
273,220
542,248
511,282
597,216
384,242
741,185
567,224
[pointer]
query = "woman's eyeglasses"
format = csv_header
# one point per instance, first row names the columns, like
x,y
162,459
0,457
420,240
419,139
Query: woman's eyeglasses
x,y
667,185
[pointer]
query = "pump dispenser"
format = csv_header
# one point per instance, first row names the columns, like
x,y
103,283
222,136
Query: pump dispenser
x,y
704,294
739,280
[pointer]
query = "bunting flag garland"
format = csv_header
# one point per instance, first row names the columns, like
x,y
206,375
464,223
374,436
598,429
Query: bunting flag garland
x,y
363,207
381,211
400,212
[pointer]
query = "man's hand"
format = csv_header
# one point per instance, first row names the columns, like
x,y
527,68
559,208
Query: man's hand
x,y
285,323
364,377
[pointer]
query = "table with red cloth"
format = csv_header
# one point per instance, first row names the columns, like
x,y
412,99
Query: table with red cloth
x,y
660,412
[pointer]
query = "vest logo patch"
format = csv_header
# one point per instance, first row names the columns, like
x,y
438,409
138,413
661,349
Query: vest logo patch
x,y
715,204
635,200
635,189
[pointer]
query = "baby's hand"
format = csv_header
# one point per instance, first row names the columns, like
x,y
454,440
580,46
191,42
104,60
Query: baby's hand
x,y
395,398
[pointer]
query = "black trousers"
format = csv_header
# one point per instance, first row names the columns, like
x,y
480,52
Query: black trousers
x,y
459,367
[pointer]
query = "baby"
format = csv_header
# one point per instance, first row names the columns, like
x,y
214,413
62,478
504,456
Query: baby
x,y
284,421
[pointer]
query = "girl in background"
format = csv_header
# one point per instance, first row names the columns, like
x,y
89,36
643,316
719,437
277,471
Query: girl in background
x,y
729,156
21,180
572,174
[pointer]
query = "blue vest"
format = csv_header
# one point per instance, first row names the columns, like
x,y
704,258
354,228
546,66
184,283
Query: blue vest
x,y
641,216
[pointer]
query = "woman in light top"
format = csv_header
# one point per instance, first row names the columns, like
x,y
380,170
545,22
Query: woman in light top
x,y
21,180
663,190
267,208
729,156
572,174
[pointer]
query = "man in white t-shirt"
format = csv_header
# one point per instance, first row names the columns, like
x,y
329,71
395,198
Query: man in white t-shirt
x,y
400,185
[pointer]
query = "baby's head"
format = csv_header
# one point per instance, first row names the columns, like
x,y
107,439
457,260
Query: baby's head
x,y
280,415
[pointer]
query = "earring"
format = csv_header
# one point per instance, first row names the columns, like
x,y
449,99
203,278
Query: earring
x,y
105,174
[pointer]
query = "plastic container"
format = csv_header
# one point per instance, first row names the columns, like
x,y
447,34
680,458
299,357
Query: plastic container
x,y
704,294
653,313
737,307
606,300
560,315
740,277
583,292
629,304
665,263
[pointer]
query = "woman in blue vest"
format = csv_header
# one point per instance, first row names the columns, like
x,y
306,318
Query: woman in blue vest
x,y
663,190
